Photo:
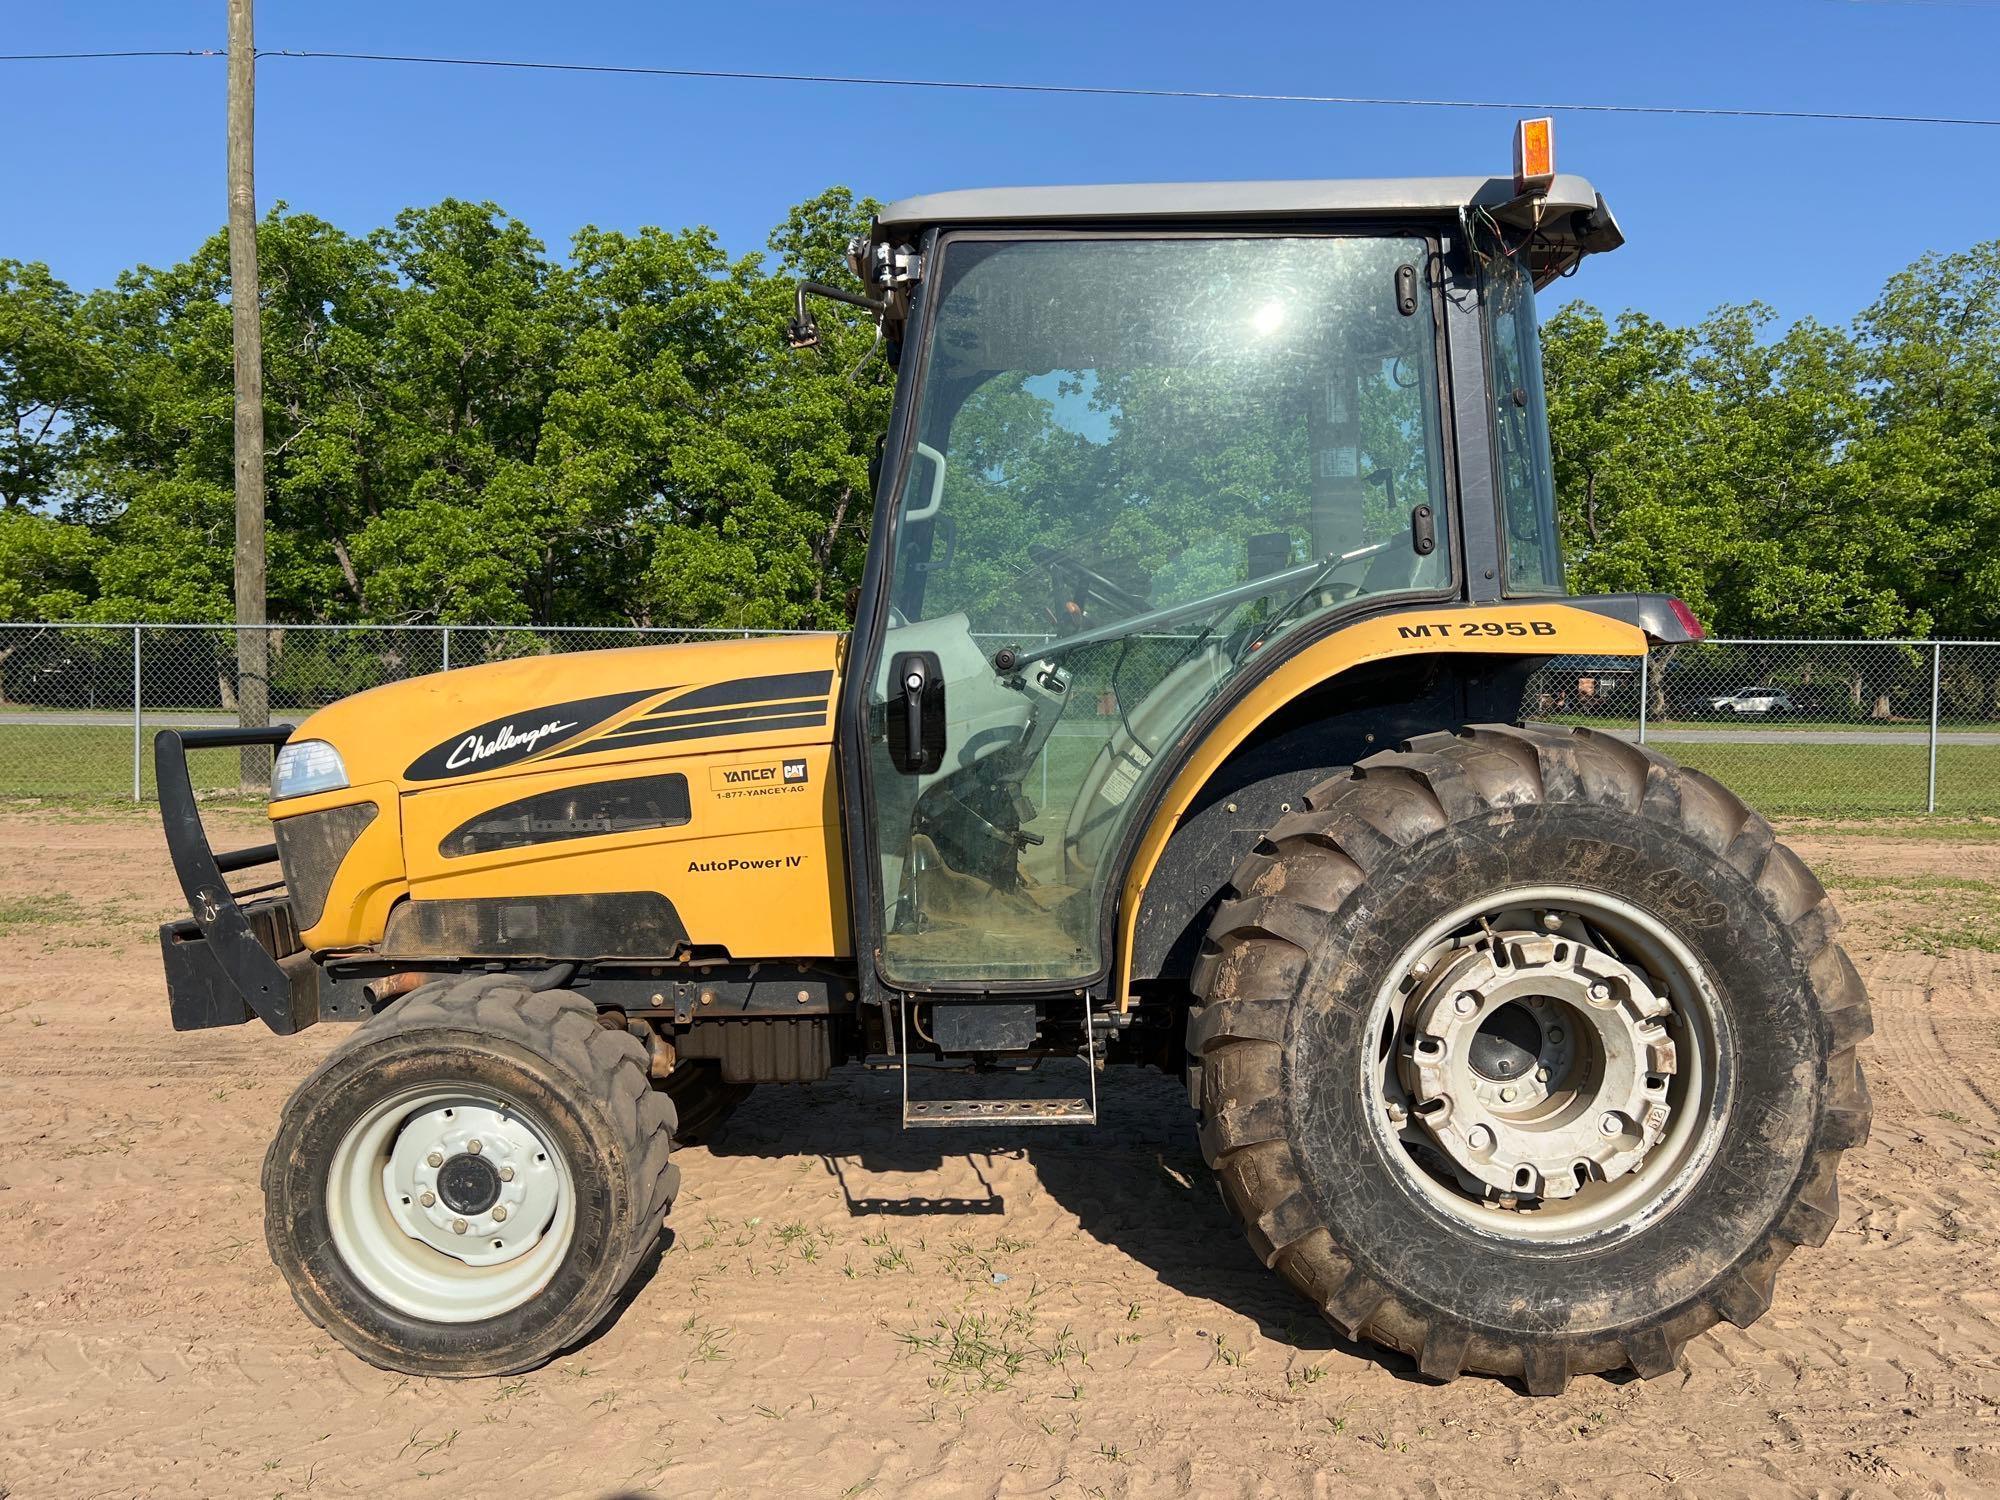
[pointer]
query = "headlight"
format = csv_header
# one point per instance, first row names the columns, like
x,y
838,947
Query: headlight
x,y
306,766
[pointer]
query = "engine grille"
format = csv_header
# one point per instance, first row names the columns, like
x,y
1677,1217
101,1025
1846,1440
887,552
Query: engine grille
x,y
310,849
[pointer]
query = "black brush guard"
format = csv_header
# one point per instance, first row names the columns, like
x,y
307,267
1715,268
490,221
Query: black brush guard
x,y
230,959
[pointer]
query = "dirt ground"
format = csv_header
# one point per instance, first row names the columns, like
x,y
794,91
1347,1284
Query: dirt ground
x,y
849,1309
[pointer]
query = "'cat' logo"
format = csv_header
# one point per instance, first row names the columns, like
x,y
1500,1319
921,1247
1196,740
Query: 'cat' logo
x,y
771,779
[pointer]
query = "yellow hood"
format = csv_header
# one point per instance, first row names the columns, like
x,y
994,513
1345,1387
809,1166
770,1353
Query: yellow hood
x,y
588,708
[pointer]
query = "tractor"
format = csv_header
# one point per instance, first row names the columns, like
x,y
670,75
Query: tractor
x,y
1186,719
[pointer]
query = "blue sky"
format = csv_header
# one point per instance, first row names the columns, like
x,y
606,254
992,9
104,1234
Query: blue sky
x,y
116,163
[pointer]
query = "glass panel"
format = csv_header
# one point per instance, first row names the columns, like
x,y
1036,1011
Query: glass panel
x,y
1521,432
1138,463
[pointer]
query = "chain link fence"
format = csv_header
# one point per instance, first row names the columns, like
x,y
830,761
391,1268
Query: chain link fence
x,y
1797,727
79,703
1820,728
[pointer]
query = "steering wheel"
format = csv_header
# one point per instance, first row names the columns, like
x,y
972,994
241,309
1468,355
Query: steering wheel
x,y
1084,588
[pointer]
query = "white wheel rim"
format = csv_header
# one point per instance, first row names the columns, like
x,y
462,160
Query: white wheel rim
x,y
1702,1090
464,1255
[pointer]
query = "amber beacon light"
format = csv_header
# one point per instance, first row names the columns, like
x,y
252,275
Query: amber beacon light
x,y
1534,154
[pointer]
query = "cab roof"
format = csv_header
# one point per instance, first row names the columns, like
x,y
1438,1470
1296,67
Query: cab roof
x,y
1572,220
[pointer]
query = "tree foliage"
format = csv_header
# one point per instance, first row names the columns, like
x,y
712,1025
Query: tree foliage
x,y
1810,481
463,427
460,428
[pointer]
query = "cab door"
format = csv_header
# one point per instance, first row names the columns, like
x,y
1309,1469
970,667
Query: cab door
x,y
1132,467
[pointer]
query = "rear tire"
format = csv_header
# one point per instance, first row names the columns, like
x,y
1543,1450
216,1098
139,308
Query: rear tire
x,y
1305,1025
466,1185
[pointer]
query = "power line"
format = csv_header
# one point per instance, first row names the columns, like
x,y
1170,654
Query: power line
x,y
95,56
1112,91
1122,92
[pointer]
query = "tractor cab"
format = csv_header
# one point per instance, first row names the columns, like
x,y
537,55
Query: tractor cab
x,y
1148,442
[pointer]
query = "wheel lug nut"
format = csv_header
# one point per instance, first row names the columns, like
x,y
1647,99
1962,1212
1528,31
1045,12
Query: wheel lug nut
x,y
1479,1137
500,1211
436,1159
1466,1003
1541,1075
1610,1124
1551,921
1599,990
428,1199
1507,1095
506,1174
458,1226
474,1147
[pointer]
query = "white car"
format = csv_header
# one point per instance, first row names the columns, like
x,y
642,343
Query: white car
x,y
1753,700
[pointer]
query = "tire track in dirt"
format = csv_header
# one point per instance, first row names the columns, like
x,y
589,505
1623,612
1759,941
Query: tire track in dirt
x,y
1087,1320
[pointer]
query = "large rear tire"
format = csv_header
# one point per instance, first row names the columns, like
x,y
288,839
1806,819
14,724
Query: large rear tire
x,y
467,1184
1525,1051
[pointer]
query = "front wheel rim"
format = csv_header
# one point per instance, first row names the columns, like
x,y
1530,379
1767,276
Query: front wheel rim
x,y
1548,1066
450,1205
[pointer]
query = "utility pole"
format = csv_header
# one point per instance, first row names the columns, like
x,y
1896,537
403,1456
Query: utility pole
x,y
253,698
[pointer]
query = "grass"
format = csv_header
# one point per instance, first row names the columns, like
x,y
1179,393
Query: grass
x,y
21,911
1936,913
1796,723
94,763
1846,781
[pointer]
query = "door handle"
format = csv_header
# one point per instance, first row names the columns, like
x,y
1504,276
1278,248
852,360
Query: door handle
x,y
915,679
915,711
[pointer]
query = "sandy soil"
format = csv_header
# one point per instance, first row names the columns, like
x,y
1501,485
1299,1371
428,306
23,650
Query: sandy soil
x,y
847,1309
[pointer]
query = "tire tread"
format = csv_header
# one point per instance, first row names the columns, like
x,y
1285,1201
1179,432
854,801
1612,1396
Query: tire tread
x,y
1350,823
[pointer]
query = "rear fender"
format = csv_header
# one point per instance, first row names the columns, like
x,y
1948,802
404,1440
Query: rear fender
x,y
1359,689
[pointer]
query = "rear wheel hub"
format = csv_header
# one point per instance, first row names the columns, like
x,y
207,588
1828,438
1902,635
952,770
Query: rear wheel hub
x,y
1538,1064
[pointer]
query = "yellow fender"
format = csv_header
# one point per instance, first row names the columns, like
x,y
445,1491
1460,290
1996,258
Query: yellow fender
x,y
1550,628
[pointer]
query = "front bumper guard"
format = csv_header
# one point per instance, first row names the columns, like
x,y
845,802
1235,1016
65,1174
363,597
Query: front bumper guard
x,y
232,959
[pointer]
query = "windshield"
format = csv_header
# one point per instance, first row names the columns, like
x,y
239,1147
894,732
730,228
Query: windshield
x,y
1139,462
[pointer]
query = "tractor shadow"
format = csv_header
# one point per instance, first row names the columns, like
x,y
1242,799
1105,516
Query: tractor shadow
x,y
1135,1182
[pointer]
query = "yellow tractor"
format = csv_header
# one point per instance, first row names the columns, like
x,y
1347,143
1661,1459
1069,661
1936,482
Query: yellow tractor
x,y
1180,723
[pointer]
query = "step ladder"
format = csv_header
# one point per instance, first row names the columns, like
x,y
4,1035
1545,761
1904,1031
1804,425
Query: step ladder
x,y
935,1114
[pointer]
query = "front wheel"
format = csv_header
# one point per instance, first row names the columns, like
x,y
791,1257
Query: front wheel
x,y
1525,1051
465,1186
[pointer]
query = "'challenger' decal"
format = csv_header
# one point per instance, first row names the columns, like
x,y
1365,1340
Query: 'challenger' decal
x,y
755,690
746,705
501,742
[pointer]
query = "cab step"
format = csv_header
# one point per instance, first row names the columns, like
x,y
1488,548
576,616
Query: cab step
x,y
937,1114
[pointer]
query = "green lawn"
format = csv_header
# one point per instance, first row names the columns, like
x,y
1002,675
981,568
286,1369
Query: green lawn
x,y
1796,723
1831,781
90,763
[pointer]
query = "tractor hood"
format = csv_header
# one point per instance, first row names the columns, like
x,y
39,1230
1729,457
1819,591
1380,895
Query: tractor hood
x,y
587,708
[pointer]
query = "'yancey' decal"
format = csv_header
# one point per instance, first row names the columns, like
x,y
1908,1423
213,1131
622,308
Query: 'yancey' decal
x,y
501,742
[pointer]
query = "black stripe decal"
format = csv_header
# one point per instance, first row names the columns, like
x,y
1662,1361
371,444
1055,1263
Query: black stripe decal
x,y
757,690
660,717
697,732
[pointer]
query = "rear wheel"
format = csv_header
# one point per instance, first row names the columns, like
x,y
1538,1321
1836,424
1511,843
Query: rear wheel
x,y
465,1186
1525,1051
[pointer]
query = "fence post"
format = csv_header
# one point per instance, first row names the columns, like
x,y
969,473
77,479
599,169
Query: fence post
x,y
138,737
1645,689
447,649
1937,680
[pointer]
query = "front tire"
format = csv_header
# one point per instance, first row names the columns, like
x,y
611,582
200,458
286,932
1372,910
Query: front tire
x,y
465,1186
1411,1137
